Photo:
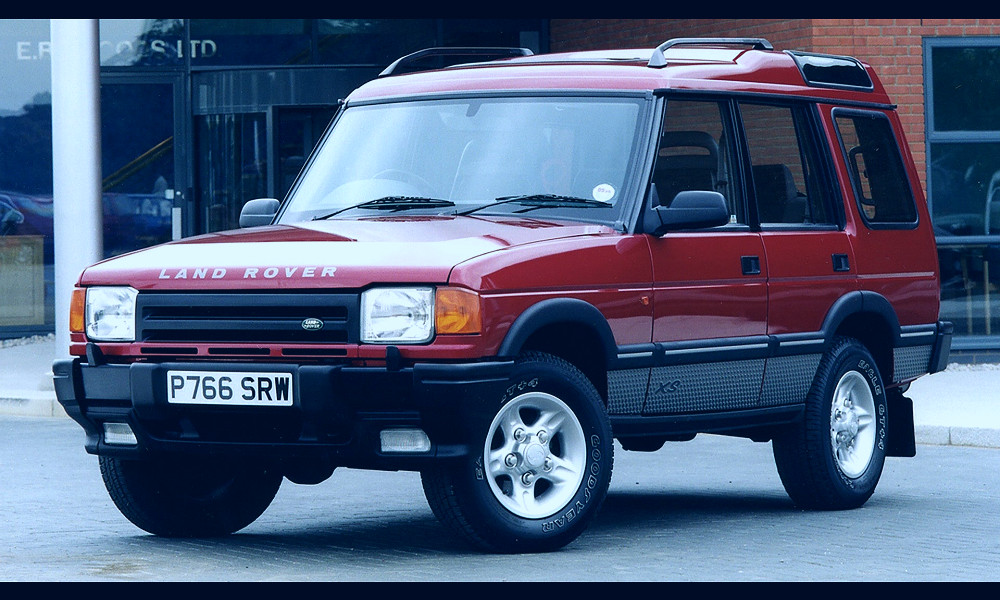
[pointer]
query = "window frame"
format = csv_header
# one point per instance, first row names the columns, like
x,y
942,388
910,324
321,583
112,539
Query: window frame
x,y
856,189
805,119
933,136
736,150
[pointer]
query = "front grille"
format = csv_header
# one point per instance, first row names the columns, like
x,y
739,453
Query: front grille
x,y
247,318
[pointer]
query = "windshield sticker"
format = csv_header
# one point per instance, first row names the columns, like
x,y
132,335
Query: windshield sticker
x,y
604,193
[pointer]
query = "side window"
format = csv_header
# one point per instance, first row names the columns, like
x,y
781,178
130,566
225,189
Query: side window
x,y
876,167
787,182
695,154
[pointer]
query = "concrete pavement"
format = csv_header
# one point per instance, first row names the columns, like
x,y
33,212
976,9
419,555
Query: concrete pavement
x,y
959,406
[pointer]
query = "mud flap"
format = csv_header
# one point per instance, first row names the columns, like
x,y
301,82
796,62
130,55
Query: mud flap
x,y
902,441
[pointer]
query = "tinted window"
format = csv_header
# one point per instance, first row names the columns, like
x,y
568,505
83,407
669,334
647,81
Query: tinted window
x,y
966,82
786,179
876,167
694,154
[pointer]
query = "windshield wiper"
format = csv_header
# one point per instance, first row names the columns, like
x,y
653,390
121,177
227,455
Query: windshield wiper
x,y
394,204
536,201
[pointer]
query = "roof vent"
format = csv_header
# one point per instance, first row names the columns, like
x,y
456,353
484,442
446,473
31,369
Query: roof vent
x,y
832,71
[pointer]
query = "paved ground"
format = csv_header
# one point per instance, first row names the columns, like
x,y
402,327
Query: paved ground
x,y
708,510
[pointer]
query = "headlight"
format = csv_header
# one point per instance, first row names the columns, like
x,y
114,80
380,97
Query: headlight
x,y
111,314
397,315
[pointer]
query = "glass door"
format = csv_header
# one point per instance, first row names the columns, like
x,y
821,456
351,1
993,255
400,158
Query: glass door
x,y
297,130
232,166
143,175
242,156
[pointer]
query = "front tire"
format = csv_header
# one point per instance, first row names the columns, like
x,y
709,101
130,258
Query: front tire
x,y
174,497
833,460
540,468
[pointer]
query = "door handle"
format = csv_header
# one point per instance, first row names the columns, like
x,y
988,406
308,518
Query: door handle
x,y
841,264
750,265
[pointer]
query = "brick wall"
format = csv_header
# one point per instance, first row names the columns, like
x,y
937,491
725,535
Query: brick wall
x,y
892,46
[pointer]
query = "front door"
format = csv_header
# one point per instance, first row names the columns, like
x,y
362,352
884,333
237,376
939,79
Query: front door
x,y
709,287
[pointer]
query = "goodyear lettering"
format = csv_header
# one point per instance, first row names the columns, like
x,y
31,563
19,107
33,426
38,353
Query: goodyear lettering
x,y
577,508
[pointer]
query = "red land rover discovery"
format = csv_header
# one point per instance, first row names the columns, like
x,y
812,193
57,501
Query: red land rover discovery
x,y
489,271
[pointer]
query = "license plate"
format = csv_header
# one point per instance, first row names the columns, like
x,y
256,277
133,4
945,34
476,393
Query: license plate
x,y
235,388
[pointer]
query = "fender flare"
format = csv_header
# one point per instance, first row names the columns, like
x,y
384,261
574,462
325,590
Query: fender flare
x,y
861,302
554,311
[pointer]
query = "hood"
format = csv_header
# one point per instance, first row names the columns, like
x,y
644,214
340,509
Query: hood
x,y
325,254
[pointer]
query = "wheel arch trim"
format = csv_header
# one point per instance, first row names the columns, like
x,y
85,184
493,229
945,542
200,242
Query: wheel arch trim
x,y
559,311
858,302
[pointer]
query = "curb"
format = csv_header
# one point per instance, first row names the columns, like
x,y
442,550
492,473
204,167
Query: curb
x,y
31,404
945,435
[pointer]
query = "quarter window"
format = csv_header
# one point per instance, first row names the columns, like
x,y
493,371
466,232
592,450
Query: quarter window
x,y
876,168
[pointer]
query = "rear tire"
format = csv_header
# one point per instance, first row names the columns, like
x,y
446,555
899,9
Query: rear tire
x,y
538,472
833,460
196,497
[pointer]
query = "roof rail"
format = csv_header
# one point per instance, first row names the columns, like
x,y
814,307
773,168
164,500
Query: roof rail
x,y
449,56
658,60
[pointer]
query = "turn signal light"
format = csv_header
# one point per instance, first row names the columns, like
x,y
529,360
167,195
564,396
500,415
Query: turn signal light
x,y
77,308
456,311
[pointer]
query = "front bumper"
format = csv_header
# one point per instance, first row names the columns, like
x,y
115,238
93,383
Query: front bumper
x,y
337,414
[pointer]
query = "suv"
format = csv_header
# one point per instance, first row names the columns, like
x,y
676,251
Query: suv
x,y
487,272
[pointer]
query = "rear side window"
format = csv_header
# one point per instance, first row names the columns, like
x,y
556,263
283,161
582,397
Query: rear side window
x,y
876,166
787,181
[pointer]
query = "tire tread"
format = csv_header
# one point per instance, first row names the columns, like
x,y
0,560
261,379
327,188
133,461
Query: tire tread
x,y
440,484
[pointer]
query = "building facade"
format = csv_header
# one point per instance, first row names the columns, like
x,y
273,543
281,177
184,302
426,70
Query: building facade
x,y
197,117
944,75
200,115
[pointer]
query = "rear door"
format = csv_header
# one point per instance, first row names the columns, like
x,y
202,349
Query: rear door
x,y
894,239
810,259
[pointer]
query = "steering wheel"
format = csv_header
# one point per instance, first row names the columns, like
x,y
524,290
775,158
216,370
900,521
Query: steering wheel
x,y
405,177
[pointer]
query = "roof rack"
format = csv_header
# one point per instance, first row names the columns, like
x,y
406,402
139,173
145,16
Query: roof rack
x,y
658,60
446,57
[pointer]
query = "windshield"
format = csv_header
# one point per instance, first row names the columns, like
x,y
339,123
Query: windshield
x,y
555,157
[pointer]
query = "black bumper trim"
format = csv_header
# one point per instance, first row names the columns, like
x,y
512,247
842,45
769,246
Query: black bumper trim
x,y
942,347
336,416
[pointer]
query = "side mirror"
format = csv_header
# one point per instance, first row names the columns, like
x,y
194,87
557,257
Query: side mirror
x,y
690,209
258,212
